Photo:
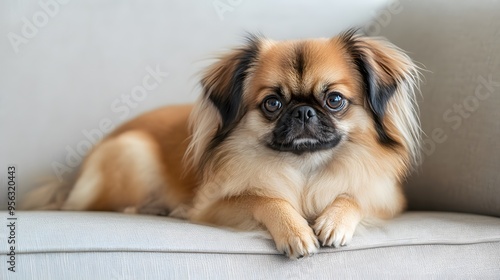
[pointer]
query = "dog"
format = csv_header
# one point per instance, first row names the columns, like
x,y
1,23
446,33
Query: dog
x,y
305,138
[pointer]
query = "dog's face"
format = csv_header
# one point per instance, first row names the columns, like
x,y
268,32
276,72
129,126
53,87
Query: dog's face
x,y
308,96
301,95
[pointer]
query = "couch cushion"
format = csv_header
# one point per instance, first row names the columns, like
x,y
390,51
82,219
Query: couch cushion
x,y
459,44
80,237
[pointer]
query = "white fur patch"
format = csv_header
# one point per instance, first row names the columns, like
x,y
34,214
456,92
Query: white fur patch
x,y
305,141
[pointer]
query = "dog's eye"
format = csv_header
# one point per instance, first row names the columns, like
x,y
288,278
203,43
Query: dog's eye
x,y
272,104
335,101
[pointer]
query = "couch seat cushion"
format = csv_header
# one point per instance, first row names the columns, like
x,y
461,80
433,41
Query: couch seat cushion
x,y
85,237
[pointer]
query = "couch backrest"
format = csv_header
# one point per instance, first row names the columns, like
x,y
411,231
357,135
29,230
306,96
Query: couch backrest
x,y
458,42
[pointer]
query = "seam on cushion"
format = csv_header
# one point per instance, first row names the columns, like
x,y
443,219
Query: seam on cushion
x,y
257,253
416,244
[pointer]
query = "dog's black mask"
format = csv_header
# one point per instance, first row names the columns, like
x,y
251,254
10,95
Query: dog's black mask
x,y
304,128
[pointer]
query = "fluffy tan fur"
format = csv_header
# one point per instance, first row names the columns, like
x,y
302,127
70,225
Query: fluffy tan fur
x,y
155,163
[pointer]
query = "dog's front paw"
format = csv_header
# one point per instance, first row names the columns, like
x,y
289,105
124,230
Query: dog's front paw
x,y
297,242
335,230
331,233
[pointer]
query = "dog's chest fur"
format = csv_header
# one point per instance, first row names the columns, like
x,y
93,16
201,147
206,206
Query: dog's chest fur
x,y
313,186
307,181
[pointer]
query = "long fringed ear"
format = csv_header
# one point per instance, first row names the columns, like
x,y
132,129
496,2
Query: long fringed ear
x,y
390,80
220,106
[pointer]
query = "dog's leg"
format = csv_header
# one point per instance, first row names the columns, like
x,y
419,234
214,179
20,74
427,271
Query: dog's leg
x,y
336,225
290,231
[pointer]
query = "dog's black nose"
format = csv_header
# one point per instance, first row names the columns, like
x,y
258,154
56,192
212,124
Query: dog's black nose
x,y
304,113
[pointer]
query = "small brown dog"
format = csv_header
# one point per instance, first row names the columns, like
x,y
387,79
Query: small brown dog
x,y
306,138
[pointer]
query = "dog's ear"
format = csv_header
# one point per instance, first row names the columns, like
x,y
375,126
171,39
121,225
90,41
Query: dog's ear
x,y
390,78
223,83
220,106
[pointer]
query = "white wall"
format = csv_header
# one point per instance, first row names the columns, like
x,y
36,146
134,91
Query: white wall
x,y
61,79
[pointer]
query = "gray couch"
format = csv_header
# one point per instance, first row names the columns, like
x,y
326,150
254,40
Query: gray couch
x,y
64,245
452,230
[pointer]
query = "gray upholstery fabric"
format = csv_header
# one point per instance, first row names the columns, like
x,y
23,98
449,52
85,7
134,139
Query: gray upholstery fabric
x,y
94,245
416,262
458,42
